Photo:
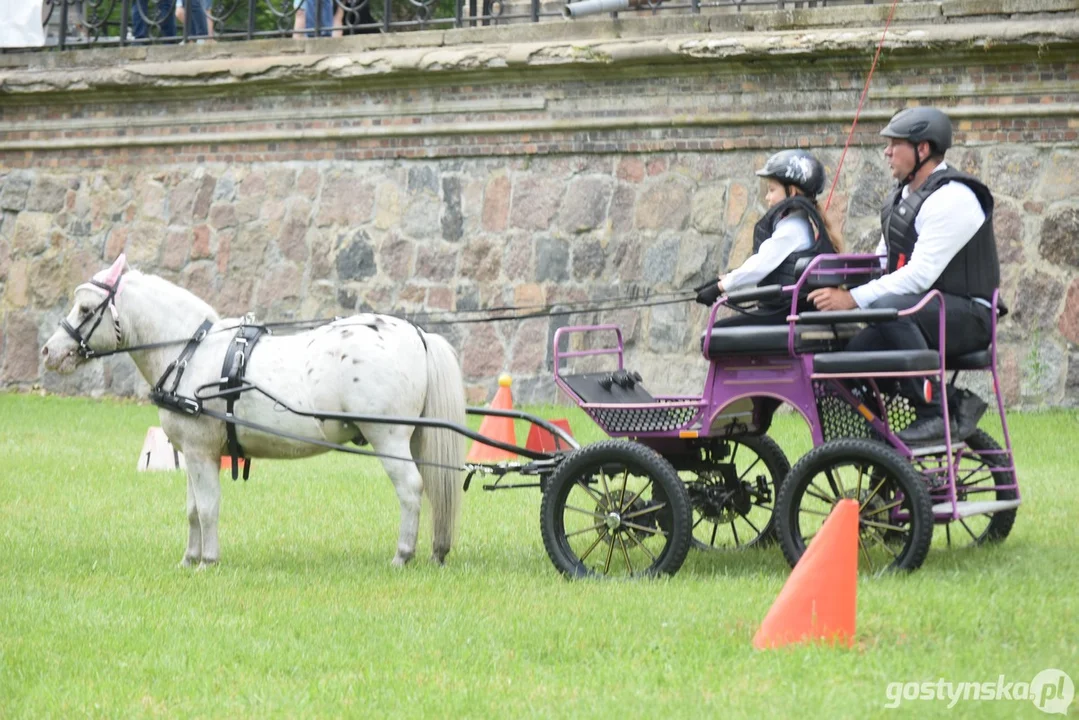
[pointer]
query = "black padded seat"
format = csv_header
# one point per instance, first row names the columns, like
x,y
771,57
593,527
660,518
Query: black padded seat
x,y
979,360
772,339
877,362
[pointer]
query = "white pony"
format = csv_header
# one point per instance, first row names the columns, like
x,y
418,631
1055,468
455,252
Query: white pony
x,y
369,365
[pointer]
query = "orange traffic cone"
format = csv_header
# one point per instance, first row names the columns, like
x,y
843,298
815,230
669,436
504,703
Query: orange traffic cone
x,y
226,462
819,600
496,428
542,440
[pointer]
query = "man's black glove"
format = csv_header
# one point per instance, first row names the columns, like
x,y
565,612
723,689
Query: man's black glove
x,y
708,294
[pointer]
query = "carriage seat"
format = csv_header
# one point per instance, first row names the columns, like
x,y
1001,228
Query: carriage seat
x,y
772,339
879,361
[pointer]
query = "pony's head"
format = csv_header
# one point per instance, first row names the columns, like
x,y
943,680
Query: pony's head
x,y
93,325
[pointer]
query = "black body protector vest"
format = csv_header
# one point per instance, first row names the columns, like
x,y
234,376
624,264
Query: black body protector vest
x,y
974,272
786,274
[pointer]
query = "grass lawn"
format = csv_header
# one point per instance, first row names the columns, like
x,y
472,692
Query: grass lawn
x,y
304,617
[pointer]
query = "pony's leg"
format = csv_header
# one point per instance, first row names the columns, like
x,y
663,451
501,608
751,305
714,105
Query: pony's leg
x,y
205,485
193,554
406,481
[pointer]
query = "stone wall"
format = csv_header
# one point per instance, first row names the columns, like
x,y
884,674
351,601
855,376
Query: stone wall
x,y
312,179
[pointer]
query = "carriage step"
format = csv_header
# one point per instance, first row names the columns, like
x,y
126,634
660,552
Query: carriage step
x,y
922,451
967,508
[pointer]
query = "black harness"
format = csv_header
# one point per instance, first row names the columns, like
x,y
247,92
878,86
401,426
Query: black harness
x,y
230,387
164,393
168,399
232,372
232,375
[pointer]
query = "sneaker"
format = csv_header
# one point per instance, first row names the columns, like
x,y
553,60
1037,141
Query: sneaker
x,y
969,409
925,430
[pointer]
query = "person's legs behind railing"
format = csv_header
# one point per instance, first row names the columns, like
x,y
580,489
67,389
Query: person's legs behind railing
x,y
967,329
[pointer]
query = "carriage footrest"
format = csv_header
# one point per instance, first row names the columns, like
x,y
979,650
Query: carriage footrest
x,y
928,450
619,387
967,508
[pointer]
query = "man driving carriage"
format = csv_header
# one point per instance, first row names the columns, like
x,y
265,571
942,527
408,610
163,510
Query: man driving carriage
x,y
793,228
936,233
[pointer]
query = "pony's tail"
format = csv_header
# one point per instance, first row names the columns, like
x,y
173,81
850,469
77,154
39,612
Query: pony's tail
x,y
445,400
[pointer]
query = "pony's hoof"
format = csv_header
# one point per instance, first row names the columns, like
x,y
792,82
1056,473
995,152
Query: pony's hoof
x,y
189,562
401,559
206,565
439,558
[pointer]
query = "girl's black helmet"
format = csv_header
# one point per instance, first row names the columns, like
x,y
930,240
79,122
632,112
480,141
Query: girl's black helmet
x,y
795,167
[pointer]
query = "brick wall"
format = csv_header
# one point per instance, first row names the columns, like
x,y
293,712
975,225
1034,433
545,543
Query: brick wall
x,y
305,179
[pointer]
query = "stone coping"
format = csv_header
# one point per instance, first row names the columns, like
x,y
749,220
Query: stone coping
x,y
567,47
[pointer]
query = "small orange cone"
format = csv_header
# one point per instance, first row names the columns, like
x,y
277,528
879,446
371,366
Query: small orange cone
x,y
541,440
226,462
819,599
496,428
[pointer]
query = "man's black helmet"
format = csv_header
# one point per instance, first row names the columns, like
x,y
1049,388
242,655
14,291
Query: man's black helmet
x,y
795,167
921,123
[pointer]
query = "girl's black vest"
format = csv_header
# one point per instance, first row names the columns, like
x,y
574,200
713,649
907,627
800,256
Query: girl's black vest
x,y
785,274
975,270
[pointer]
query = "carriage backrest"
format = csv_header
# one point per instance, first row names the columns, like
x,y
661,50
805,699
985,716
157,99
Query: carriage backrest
x,y
836,270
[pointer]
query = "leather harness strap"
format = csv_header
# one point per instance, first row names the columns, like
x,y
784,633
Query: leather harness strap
x,y
232,375
168,399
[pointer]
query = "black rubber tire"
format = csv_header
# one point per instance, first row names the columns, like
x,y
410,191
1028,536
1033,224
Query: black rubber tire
x,y
777,465
889,465
1000,523
672,515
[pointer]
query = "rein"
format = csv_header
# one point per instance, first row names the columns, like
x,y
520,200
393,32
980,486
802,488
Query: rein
x,y
549,311
442,318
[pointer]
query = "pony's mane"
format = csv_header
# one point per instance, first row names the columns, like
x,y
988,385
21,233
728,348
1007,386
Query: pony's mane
x,y
162,286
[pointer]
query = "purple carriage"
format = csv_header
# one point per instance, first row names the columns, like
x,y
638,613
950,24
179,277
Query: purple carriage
x,y
702,471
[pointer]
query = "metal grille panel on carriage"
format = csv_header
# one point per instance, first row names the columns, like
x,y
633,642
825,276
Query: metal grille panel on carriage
x,y
840,419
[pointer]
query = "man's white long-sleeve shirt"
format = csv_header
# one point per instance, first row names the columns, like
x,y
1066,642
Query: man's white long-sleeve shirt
x,y
946,222
792,234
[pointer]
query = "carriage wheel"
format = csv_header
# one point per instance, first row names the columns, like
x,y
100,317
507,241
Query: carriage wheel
x,y
895,526
616,509
734,496
975,480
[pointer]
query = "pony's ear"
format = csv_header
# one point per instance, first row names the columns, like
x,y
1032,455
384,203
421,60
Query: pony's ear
x,y
111,276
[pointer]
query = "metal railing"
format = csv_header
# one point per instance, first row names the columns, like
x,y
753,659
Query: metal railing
x,y
80,23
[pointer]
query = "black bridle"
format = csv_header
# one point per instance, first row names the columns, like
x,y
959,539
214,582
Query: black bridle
x,y
96,316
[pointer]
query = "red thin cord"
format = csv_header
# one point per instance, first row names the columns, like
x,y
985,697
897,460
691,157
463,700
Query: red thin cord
x,y
865,91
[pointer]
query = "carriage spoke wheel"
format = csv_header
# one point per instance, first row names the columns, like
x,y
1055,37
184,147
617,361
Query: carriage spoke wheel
x,y
895,518
615,509
733,496
977,479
